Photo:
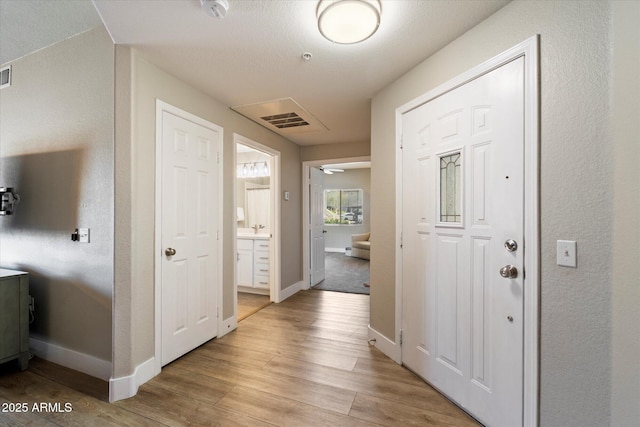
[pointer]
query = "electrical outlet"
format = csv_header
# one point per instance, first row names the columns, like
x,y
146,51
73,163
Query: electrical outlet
x,y
83,235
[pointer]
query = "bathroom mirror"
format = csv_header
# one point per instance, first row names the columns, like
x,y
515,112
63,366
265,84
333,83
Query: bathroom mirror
x,y
254,196
253,192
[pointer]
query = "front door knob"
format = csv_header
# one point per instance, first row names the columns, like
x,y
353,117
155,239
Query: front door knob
x,y
169,252
509,272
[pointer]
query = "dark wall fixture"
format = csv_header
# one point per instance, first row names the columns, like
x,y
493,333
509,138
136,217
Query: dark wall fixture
x,y
8,200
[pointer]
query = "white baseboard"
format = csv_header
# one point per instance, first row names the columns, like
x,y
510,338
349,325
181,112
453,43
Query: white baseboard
x,y
255,291
125,387
71,359
340,250
291,290
228,325
385,345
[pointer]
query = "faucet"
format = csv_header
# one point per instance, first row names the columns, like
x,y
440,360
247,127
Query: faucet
x,y
257,227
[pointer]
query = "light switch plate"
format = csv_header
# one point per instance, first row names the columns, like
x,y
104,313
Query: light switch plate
x,y
83,235
566,253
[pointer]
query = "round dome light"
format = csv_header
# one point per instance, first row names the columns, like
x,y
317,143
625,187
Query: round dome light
x,y
348,21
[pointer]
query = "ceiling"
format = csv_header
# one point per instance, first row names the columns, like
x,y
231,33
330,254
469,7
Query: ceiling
x,y
254,54
28,26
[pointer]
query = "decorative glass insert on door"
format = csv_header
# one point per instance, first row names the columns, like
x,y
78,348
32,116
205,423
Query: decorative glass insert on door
x,y
451,188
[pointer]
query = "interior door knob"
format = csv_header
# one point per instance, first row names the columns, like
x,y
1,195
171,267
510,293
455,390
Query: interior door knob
x,y
169,252
509,272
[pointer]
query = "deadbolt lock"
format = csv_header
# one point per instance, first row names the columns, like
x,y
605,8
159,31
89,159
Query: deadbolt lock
x,y
511,245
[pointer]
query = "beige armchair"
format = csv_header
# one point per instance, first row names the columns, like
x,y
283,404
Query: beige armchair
x,y
360,245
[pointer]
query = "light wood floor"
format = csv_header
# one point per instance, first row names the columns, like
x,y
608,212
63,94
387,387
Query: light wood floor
x,y
303,362
249,304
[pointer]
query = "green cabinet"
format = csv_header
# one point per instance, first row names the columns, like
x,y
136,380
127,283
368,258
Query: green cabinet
x,y
14,317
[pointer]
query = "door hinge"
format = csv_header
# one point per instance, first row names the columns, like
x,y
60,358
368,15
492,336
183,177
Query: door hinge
x,y
400,336
401,240
218,157
401,141
217,234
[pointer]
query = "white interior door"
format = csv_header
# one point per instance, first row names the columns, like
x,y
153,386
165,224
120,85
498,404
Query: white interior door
x,y
463,197
316,225
190,259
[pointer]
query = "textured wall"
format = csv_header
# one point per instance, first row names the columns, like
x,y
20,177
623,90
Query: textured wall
x,y
576,191
56,123
335,151
149,83
625,392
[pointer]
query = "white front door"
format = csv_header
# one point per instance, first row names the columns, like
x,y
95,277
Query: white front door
x,y
190,259
463,197
316,224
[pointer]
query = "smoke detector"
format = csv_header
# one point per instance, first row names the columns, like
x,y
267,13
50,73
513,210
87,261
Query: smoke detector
x,y
216,8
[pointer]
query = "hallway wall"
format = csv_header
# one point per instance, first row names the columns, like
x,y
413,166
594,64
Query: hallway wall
x,y
577,194
56,133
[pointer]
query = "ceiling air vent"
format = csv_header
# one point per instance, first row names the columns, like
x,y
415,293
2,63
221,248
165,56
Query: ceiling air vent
x,y
283,116
5,77
286,120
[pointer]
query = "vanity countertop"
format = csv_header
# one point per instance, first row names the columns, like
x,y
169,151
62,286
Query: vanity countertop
x,y
261,236
9,273
250,233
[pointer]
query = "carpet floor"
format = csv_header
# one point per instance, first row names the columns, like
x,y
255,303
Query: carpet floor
x,y
345,274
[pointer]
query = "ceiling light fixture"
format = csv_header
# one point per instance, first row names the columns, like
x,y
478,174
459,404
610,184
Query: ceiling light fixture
x,y
330,171
348,21
216,8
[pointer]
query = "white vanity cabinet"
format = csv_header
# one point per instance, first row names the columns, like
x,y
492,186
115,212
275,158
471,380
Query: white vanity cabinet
x,y
253,265
245,262
261,264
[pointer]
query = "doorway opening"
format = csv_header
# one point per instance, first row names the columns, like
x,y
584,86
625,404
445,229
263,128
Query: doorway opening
x,y
336,206
257,272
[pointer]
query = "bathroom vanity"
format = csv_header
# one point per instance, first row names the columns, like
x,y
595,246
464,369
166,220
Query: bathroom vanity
x,y
253,263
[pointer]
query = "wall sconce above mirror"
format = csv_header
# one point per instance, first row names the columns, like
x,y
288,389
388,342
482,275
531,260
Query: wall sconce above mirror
x,y
253,170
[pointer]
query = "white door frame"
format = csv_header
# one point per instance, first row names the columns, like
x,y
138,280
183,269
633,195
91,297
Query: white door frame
x,y
529,50
162,107
306,251
274,227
